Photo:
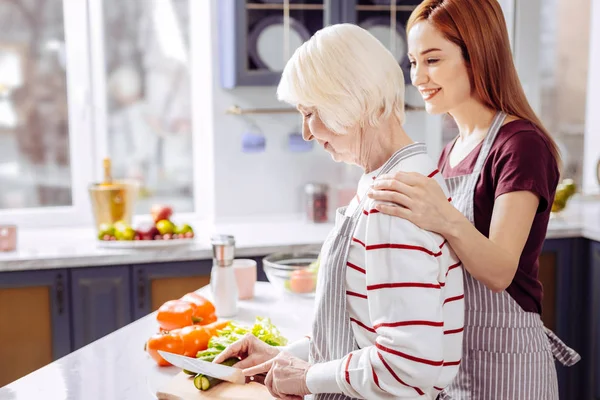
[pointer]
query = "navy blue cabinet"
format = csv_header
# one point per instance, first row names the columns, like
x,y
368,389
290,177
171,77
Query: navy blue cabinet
x,y
154,284
562,267
101,302
593,353
34,321
251,39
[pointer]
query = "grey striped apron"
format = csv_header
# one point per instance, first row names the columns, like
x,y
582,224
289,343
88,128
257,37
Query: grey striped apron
x,y
507,352
332,336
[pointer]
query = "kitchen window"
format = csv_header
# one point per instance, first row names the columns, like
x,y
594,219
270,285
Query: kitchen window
x,y
44,118
141,53
84,80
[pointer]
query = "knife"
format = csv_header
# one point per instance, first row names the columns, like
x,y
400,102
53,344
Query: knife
x,y
223,372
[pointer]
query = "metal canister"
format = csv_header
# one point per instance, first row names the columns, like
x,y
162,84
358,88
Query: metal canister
x,y
316,205
223,250
222,277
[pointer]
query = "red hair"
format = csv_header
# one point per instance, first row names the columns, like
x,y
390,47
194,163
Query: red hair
x,y
479,29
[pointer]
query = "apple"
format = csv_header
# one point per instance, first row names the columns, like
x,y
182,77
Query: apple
x,y
160,212
147,231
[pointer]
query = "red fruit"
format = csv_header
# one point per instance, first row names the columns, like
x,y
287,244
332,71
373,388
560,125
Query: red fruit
x,y
147,231
167,236
137,237
106,237
159,211
175,236
189,235
158,237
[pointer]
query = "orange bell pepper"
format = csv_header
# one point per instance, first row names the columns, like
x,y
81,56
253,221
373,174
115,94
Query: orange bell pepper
x,y
187,341
191,309
205,310
167,341
175,314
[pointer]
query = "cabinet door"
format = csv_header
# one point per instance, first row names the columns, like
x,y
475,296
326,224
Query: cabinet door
x,y
594,284
34,321
101,302
559,272
253,45
153,284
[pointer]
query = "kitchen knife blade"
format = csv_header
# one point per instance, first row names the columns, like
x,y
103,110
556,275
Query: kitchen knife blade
x,y
223,372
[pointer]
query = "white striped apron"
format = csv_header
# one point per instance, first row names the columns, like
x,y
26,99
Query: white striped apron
x,y
507,352
332,335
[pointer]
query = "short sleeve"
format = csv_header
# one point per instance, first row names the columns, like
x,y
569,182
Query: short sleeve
x,y
525,162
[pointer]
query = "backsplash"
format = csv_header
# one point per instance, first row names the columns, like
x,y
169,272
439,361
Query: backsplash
x,y
272,181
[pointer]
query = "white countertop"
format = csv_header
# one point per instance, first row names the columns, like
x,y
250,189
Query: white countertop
x,y
116,367
77,247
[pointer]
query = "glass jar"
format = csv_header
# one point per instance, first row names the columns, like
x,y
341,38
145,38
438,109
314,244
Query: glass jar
x,y
316,202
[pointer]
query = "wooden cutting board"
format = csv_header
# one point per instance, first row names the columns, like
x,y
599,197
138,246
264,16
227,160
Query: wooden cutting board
x,y
181,387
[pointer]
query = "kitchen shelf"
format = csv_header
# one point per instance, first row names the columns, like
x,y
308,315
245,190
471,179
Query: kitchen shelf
x,y
363,7
236,110
262,6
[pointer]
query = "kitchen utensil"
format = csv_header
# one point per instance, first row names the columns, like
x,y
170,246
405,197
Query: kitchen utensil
x,y
181,387
292,272
223,372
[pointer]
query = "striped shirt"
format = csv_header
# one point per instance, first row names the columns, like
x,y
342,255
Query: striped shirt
x,y
405,299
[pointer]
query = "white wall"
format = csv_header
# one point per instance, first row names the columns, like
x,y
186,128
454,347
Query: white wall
x,y
592,121
271,182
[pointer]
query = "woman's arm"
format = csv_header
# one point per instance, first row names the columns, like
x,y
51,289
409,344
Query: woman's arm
x,y
492,261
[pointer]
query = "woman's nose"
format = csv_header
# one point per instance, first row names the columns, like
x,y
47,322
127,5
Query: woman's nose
x,y
418,75
306,135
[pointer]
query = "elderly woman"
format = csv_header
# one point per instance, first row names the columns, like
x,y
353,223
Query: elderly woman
x,y
389,301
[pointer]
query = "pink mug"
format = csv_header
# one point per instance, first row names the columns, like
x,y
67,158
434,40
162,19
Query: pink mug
x,y
245,276
8,237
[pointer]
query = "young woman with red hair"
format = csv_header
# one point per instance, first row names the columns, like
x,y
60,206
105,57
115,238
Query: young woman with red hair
x,y
502,171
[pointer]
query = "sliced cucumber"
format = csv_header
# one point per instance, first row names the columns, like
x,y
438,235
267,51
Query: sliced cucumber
x,y
204,382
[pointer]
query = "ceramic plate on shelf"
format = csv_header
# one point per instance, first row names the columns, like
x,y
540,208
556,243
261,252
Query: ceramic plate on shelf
x,y
265,42
381,29
143,244
386,2
280,1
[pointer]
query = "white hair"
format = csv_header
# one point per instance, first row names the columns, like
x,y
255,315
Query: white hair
x,y
347,75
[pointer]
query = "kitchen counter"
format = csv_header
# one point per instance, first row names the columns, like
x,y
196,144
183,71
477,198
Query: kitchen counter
x,y
77,247
116,367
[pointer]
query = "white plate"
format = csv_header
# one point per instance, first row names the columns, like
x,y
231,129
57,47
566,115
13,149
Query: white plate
x,y
143,244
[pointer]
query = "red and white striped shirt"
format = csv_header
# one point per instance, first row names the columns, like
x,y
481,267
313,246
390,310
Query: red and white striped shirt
x,y
404,289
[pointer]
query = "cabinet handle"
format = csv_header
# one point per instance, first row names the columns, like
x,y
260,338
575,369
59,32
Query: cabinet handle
x,y
141,289
60,294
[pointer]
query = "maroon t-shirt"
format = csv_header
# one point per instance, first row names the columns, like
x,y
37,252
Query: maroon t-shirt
x,y
520,159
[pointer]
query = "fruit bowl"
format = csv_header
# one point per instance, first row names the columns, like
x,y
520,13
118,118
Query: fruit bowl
x,y
293,272
160,232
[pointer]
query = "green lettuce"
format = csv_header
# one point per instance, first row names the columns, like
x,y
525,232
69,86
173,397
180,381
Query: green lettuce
x,y
263,329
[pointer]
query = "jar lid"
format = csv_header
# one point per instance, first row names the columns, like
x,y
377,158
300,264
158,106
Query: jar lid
x,y
222,240
315,188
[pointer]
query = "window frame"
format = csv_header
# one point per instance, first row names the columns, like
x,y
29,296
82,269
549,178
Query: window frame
x,y
87,102
80,131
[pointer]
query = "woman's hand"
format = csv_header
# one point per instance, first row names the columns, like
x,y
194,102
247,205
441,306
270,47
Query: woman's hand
x,y
286,378
251,350
416,198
